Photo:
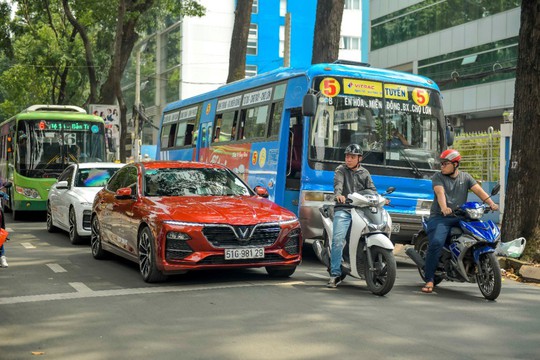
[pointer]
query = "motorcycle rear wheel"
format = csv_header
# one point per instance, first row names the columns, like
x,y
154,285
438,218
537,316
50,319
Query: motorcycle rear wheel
x,y
421,246
381,279
488,277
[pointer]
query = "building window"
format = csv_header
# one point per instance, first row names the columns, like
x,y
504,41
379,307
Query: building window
x,y
255,7
430,16
352,4
349,43
282,7
473,66
251,70
252,40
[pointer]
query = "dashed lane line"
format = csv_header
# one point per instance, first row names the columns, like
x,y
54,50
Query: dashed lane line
x,y
80,287
56,268
88,293
27,245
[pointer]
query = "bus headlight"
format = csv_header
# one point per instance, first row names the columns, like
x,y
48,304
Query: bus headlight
x,y
28,192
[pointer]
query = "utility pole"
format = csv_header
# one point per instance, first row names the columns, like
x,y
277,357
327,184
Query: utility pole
x,y
287,41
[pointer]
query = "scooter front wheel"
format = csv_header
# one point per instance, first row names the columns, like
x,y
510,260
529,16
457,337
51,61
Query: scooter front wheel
x,y
380,279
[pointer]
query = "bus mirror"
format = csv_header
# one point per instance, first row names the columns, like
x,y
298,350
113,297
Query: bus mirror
x,y
309,105
449,135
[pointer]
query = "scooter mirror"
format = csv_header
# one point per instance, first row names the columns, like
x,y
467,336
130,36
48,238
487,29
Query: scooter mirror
x,y
390,190
496,189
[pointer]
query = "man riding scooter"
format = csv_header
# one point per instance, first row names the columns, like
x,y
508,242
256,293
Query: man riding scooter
x,y
349,178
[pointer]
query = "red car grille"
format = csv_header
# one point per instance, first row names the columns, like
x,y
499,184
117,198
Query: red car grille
x,y
222,236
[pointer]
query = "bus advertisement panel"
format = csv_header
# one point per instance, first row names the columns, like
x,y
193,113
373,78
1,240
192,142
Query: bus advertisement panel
x,y
256,127
39,143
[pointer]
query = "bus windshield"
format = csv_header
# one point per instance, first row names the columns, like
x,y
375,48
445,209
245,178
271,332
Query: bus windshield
x,y
46,147
403,128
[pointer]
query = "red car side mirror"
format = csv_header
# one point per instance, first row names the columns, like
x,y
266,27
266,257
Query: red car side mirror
x,y
123,193
262,192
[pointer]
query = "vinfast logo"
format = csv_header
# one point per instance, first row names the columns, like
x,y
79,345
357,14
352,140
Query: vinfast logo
x,y
243,233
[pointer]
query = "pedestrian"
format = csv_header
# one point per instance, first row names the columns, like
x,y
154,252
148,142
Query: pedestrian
x,y
3,259
349,178
451,188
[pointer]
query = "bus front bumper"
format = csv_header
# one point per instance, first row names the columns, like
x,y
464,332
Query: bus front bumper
x,y
30,205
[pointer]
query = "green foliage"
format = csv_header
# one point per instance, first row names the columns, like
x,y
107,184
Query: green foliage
x,y
46,46
480,154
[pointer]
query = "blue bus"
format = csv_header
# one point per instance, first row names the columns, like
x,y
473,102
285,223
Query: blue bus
x,y
287,130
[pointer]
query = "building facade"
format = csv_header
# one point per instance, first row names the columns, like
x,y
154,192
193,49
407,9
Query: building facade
x,y
469,48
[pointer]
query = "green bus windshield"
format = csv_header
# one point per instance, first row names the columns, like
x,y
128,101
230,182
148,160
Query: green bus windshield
x,y
44,148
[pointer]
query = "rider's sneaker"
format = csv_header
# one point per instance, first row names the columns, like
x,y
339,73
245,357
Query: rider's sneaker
x,y
333,282
3,261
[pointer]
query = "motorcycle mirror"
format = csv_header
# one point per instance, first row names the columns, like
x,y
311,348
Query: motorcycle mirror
x,y
390,190
496,190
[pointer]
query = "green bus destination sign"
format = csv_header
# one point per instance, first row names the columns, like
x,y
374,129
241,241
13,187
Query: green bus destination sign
x,y
65,125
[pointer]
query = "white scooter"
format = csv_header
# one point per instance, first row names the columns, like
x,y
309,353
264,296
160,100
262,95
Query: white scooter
x,y
368,252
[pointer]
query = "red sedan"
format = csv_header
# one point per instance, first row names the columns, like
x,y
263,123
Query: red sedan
x,y
172,217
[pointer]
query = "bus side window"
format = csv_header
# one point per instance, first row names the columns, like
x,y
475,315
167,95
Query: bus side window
x,y
242,124
171,135
275,119
217,129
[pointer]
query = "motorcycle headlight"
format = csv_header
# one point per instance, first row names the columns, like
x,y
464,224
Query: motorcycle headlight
x,y
475,213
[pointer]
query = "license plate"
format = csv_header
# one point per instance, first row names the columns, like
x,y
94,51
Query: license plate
x,y
248,253
396,227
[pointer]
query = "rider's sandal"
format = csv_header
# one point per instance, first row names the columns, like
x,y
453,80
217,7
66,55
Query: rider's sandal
x,y
428,289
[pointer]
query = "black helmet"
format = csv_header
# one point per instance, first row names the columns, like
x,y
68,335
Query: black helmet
x,y
354,149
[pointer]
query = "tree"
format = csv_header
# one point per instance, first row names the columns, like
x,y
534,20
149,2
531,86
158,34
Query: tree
x,y
327,31
129,17
76,51
237,54
521,208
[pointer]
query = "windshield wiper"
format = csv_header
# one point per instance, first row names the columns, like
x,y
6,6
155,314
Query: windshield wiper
x,y
414,168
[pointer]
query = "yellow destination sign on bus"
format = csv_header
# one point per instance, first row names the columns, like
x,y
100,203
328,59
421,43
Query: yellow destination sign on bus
x,y
398,92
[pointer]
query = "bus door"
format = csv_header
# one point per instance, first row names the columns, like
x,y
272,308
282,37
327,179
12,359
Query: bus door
x,y
294,160
205,131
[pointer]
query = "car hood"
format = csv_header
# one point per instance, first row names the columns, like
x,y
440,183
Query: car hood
x,y
86,194
237,210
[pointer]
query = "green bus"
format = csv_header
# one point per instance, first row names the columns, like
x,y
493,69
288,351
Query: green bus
x,y
37,144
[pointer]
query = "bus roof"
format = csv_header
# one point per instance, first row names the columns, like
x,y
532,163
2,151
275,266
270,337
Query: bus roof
x,y
331,69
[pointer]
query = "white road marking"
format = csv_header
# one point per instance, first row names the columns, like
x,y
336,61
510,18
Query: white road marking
x,y
134,291
80,287
8,229
28,245
56,268
318,276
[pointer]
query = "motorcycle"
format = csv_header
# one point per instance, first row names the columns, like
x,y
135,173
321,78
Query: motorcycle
x,y
368,251
469,252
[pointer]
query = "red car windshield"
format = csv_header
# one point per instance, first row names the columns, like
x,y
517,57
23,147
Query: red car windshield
x,y
193,182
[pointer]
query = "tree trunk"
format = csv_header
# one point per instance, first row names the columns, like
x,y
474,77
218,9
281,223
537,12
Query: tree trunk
x,y
237,54
92,78
327,31
522,208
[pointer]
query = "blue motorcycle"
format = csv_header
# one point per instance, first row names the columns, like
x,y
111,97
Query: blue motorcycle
x,y
469,252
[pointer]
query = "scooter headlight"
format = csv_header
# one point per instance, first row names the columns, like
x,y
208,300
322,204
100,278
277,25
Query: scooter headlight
x,y
475,213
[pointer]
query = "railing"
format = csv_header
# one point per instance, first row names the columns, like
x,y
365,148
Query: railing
x,y
480,154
